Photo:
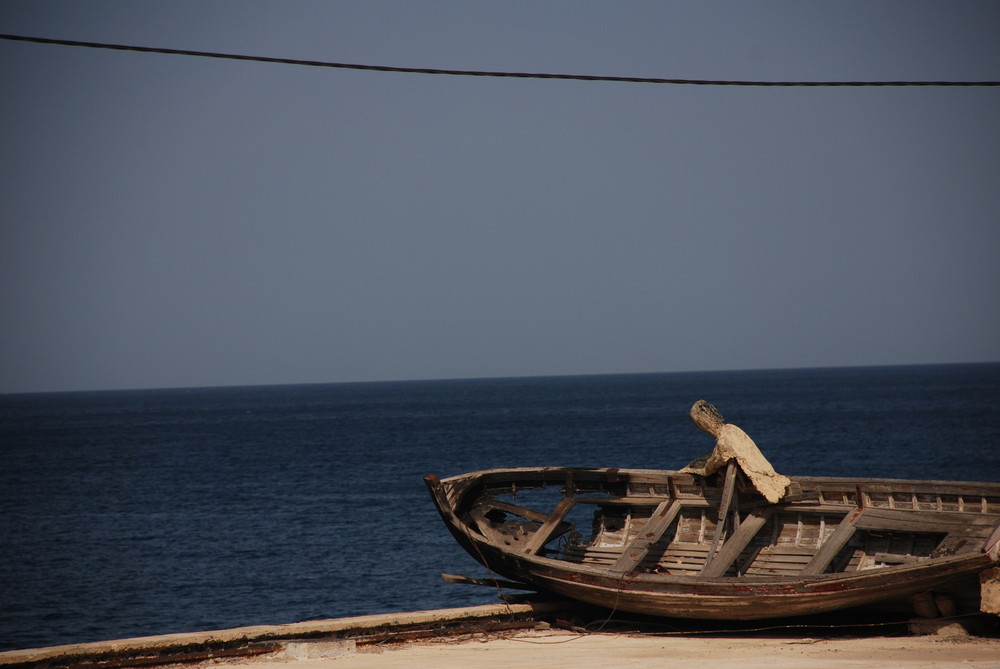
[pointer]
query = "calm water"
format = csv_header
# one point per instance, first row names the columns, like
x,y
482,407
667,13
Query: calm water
x,y
151,512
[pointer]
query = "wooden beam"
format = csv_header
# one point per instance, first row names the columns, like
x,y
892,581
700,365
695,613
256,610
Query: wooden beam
x,y
489,582
831,547
740,539
523,512
658,523
906,520
727,499
549,527
439,495
992,545
621,501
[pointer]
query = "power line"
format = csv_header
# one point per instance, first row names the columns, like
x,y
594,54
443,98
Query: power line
x,y
481,73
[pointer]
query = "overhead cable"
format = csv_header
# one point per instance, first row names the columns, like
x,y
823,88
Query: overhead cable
x,y
481,73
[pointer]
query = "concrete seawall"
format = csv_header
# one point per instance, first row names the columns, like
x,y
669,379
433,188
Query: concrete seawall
x,y
260,639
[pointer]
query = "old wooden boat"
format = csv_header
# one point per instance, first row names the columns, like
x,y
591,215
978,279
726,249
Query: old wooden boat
x,y
675,544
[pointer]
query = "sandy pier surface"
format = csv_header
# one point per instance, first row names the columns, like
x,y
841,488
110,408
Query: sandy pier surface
x,y
551,649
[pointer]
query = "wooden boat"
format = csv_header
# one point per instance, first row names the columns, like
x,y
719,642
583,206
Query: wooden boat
x,y
673,544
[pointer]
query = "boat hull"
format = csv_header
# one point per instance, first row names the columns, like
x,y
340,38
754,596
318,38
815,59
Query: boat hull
x,y
652,585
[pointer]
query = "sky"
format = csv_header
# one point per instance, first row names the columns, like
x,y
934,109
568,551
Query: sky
x,y
174,221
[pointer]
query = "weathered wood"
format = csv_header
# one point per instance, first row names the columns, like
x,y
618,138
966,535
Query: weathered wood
x,y
698,551
507,533
778,560
684,557
603,550
544,533
904,520
622,501
514,509
727,499
633,498
897,558
776,555
488,582
832,546
992,545
823,552
740,539
663,517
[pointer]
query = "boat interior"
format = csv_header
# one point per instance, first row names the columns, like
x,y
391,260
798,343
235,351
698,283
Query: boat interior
x,y
714,527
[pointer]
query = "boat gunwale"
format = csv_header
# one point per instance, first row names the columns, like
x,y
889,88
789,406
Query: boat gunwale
x,y
595,473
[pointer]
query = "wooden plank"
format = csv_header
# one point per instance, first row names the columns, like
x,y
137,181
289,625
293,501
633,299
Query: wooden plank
x,y
632,500
689,500
831,547
992,545
740,539
776,557
902,520
504,534
775,567
791,549
489,582
604,556
685,562
549,527
693,553
897,558
523,512
687,559
609,550
727,499
662,518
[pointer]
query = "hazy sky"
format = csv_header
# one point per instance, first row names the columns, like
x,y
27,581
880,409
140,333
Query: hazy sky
x,y
179,221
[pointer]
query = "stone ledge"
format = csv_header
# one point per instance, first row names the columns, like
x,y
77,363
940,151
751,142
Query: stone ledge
x,y
161,649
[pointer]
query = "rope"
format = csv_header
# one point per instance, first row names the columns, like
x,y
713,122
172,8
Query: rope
x,y
482,73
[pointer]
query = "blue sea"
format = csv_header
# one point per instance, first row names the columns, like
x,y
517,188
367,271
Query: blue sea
x,y
132,513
